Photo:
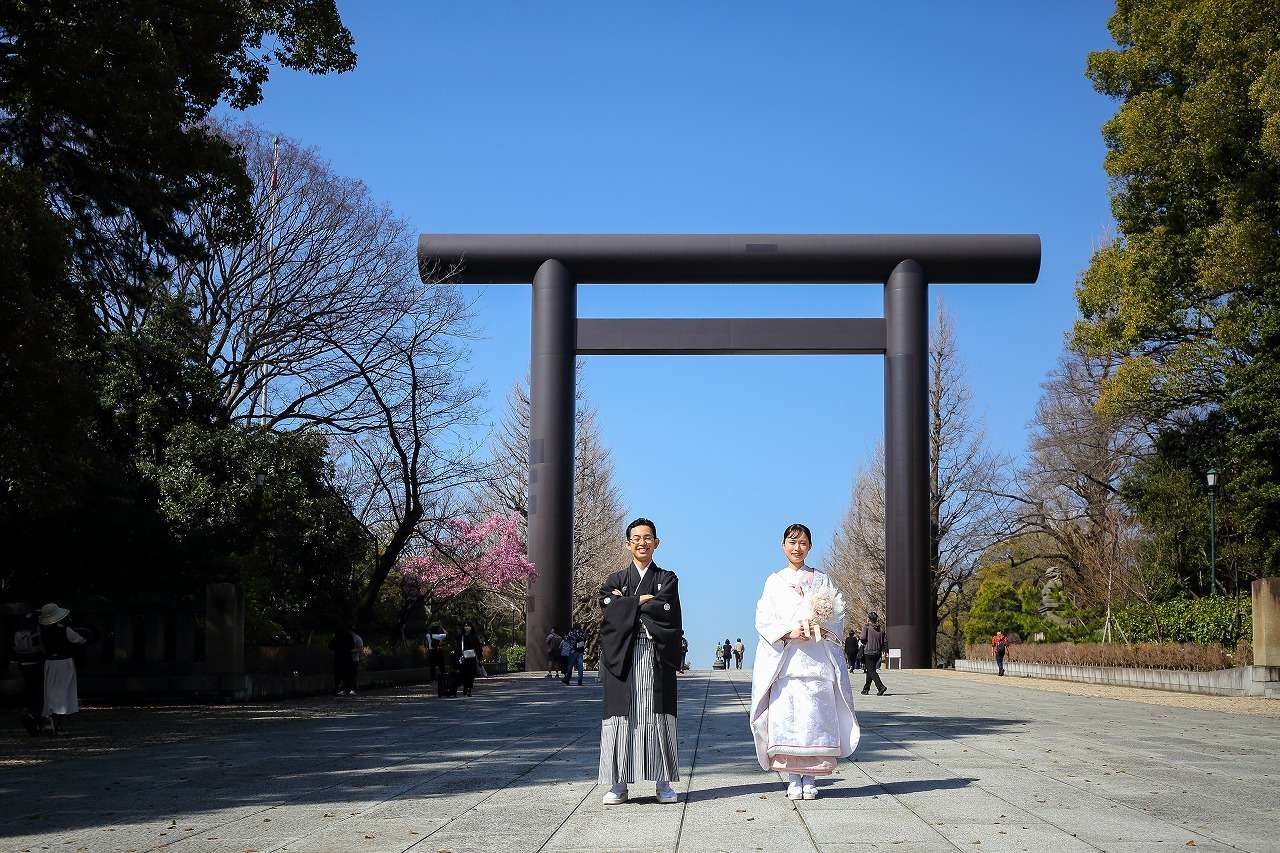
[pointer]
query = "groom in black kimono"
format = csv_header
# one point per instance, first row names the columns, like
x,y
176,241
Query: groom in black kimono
x,y
640,636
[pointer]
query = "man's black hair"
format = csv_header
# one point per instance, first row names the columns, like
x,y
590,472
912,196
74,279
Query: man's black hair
x,y
641,522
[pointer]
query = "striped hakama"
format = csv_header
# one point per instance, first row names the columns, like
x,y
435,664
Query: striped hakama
x,y
641,746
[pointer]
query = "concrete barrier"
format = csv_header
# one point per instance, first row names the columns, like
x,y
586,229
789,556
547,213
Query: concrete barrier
x,y
1237,681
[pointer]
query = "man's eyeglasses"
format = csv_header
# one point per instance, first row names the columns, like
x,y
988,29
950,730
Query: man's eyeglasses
x,y
642,540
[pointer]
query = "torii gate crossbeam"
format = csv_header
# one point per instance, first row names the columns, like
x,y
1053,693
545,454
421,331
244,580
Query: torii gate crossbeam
x,y
904,264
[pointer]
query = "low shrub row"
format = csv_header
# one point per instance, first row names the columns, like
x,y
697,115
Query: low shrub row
x,y
1194,656
1212,619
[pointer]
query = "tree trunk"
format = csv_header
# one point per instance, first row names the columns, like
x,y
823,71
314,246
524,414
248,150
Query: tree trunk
x,y
386,561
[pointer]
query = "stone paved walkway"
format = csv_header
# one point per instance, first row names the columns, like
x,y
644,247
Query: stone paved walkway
x,y
945,764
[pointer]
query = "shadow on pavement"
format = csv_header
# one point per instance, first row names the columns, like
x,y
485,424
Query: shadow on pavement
x,y
915,786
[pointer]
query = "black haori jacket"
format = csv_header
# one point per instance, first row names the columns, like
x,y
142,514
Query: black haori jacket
x,y
620,623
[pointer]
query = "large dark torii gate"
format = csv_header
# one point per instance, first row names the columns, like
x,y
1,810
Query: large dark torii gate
x,y
904,264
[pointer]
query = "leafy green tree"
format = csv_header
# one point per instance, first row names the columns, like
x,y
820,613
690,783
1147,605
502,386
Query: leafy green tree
x,y
176,502
121,472
291,541
1188,295
47,420
1168,493
105,101
996,607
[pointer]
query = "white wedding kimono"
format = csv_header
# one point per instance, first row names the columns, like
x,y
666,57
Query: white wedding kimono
x,y
802,713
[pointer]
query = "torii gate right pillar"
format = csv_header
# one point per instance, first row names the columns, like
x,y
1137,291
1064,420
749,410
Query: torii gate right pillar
x,y
908,585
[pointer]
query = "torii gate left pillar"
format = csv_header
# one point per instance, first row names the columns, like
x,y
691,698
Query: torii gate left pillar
x,y
903,264
553,358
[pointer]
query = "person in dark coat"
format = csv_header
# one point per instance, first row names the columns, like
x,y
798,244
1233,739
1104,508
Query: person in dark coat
x,y
435,650
851,647
874,641
640,654
345,646
553,654
577,641
28,653
468,657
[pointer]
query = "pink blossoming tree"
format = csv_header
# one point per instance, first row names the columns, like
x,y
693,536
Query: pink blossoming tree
x,y
487,554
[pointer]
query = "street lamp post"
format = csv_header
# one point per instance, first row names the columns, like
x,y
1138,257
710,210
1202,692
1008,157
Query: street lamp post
x,y
1212,479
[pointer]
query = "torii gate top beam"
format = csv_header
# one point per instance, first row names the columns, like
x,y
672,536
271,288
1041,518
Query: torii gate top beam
x,y
735,258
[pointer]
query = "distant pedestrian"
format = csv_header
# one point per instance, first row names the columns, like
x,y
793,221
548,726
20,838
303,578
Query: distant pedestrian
x,y
1000,643
468,657
851,647
874,640
727,652
739,651
684,653
434,641
347,647
28,653
576,640
555,666
61,692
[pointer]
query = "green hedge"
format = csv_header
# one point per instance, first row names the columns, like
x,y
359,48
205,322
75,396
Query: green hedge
x,y
1210,620
515,658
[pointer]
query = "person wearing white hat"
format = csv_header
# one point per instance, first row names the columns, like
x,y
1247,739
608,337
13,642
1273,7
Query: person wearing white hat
x,y
61,694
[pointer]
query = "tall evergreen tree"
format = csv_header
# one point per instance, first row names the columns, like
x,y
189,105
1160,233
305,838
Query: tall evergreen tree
x,y
1188,294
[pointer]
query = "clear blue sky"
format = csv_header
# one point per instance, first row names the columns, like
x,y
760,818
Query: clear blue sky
x,y
734,117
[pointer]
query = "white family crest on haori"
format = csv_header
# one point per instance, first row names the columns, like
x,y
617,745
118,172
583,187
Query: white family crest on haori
x,y
802,715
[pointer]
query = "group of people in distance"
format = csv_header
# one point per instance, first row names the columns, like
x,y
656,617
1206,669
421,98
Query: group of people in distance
x,y
348,650
566,652
727,652
801,715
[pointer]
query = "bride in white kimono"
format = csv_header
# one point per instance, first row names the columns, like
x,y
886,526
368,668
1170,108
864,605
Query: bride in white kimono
x,y
802,713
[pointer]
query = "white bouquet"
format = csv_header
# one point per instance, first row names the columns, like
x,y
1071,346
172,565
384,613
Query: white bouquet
x,y
817,609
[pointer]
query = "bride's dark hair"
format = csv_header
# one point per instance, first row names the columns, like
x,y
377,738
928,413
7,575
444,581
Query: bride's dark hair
x,y
797,528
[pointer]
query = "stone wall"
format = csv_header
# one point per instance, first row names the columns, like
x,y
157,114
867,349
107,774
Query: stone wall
x,y
166,647
1237,681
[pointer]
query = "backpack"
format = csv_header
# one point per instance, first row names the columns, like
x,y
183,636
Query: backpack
x,y
27,646
566,647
